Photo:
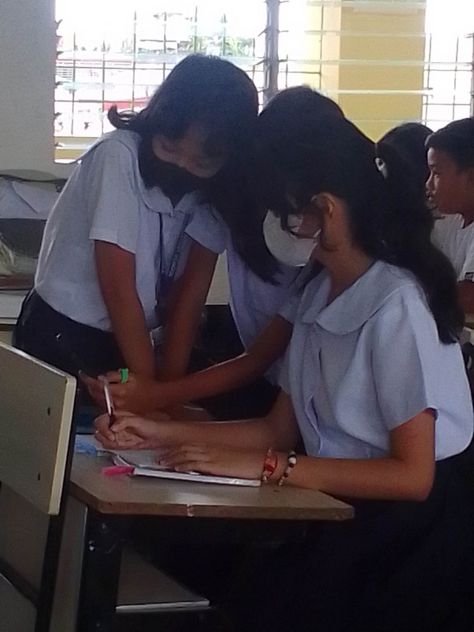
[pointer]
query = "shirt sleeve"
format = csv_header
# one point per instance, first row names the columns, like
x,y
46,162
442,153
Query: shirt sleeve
x,y
289,308
111,196
410,365
208,229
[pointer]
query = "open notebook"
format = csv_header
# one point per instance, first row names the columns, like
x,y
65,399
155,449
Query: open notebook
x,y
144,464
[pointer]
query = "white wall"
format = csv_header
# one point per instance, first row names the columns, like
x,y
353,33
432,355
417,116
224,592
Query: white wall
x,y
27,59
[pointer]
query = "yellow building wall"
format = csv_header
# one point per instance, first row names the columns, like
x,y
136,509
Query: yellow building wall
x,y
379,51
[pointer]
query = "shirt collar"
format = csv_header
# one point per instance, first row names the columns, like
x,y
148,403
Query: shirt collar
x,y
157,201
153,198
353,308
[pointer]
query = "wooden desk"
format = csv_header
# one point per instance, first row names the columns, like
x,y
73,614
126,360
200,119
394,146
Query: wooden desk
x,y
124,495
101,506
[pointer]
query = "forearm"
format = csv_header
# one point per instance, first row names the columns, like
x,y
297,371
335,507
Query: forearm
x,y
384,479
133,338
180,333
219,378
186,304
116,274
267,348
251,434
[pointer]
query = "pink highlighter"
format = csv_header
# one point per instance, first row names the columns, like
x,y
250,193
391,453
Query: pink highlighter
x,y
115,470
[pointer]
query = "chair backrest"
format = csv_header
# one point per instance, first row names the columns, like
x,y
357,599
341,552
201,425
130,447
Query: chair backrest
x,y
36,406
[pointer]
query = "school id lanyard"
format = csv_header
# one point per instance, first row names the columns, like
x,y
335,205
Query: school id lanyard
x,y
167,272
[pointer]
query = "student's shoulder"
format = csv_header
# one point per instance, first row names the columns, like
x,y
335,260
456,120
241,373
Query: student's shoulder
x,y
447,225
404,302
119,144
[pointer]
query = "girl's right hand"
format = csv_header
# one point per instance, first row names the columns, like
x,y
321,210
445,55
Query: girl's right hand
x,y
128,432
138,394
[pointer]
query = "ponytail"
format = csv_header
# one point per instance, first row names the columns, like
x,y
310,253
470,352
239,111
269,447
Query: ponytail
x,y
407,243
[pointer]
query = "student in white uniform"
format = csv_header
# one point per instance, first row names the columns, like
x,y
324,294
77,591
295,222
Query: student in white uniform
x,y
450,188
255,301
116,240
374,384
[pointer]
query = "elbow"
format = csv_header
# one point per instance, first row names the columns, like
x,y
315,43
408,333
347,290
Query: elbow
x,y
418,490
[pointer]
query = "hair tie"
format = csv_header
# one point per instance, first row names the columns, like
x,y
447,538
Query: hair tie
x,y
381,166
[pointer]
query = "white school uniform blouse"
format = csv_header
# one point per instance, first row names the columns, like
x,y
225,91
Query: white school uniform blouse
x,y
253,302
106,199
457,243
370,361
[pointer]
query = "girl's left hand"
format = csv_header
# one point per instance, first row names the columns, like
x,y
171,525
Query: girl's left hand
x,y
215,460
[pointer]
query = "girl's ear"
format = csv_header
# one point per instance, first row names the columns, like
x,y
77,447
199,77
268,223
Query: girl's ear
x,y
325,203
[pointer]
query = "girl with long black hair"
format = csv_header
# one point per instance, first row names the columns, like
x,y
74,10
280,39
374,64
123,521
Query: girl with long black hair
x,y
115,243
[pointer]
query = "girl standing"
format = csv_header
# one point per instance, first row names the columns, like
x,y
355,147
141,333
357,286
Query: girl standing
x,y
116,241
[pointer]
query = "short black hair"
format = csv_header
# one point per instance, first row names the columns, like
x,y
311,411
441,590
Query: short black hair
x,y
457,140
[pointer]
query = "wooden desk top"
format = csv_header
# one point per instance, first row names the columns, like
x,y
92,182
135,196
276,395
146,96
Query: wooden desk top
x,y
148,496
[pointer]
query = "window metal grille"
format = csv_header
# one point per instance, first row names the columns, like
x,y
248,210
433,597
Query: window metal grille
x,y
110,53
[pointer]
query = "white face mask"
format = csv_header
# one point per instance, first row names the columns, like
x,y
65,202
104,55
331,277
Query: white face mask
x,y
285,247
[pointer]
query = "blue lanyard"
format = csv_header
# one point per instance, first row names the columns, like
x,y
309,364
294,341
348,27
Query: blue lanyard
x,y
167,273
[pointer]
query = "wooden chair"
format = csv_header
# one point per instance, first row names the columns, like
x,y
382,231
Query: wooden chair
x,y
36,408
36,405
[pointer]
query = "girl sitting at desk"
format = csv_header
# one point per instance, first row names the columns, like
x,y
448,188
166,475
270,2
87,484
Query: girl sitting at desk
x,y
374,385
115,242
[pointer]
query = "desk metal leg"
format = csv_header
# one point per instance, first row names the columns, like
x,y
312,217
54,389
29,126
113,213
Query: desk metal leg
x,y
100,574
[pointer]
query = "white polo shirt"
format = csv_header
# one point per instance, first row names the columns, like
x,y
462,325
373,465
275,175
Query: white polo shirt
x,y
457,243
106,199
370,361
253,302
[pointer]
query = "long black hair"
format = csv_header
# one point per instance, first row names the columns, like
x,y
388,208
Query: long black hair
x,y
388,215
222,100
409,140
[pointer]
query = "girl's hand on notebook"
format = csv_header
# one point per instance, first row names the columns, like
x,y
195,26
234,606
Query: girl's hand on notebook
x,y
216,460
128,432
116,440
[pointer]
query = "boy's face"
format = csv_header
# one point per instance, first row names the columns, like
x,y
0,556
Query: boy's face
x,y
449,188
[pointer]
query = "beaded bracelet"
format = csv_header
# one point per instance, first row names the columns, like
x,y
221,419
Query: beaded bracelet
x,y
270,464
291,464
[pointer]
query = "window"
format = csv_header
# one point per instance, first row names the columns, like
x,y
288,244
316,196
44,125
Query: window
x,y
449,62
384,61
117,53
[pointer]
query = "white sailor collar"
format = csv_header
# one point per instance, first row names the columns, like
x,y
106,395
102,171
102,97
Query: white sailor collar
x,y
359,302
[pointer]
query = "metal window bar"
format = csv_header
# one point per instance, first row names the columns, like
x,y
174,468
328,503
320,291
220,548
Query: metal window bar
x,y
272,70
453,68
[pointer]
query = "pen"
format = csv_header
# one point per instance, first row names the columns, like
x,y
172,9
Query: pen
x,y
108,401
